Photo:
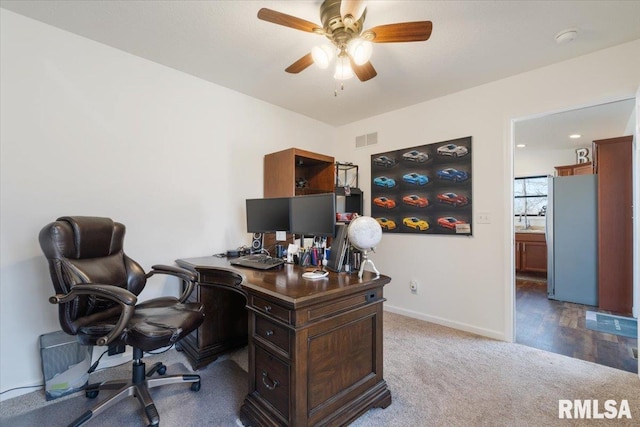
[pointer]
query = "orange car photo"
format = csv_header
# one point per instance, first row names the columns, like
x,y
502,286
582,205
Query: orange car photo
x,y
415,200
384,202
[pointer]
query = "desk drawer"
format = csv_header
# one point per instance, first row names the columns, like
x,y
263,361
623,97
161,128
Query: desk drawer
x,y
271,309
275,334
272,380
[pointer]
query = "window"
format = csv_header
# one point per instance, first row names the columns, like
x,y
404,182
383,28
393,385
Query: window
x,y
530,195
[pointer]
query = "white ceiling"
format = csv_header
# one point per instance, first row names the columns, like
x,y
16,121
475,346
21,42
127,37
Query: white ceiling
x,y
473,42
551,132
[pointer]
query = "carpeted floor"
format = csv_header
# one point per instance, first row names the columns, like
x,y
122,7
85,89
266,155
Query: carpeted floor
x,y
224,385
437,376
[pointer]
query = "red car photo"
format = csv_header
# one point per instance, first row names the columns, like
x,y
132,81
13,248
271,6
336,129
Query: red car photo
x,y
449,222
453,199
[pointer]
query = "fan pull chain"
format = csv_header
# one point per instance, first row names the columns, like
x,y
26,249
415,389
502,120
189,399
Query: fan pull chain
x,y
335,89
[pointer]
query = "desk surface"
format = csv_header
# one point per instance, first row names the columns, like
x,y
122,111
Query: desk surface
x,y
286,282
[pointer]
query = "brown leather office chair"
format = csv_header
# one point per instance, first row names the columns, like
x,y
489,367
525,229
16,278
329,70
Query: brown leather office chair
x,y
97,286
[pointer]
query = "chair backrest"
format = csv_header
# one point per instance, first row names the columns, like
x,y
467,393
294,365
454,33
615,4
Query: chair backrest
x,y
88,250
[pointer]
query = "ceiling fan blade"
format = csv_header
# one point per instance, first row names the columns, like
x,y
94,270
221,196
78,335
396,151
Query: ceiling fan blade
x,y
401,32
300,64
354,8
287,20
364,72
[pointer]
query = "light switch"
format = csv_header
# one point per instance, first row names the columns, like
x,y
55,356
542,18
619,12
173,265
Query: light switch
x,y
483,218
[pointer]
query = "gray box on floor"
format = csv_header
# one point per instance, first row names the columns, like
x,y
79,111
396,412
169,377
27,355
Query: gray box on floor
x,y
64,364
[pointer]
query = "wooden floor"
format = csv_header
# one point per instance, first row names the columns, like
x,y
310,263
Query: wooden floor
x,y
559,327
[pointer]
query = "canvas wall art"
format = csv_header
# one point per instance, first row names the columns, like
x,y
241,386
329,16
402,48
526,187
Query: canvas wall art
x,y
424,189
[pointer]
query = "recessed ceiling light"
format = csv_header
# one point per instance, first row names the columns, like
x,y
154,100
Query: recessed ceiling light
x,y
520,145
575,136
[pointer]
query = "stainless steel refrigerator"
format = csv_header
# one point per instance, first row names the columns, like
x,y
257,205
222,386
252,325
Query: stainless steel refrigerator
x,y
572,239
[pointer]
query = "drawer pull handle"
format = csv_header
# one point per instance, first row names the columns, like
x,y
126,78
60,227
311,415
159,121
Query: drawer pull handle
x,y
265,378
269,333
267,308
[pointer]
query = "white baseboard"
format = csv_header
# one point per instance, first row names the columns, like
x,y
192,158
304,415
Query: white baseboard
x,y
497,335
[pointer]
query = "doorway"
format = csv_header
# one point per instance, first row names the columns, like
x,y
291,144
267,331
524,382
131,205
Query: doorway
x,y
540,322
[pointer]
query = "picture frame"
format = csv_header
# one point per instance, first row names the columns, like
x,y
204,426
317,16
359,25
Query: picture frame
x,y
426,189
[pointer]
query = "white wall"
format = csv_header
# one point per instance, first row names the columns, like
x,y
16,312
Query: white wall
x,y
541,162
467,282
90,130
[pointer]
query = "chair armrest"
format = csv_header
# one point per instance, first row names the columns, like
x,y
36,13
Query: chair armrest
x,y
114,293
188,277
176,271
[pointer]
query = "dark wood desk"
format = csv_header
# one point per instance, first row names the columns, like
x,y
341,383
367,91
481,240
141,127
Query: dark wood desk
x,y
315,346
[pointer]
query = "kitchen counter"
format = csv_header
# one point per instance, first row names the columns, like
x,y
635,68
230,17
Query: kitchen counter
x,y
539,230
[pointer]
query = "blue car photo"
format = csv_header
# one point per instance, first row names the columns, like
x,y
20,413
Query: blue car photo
x,y
453,175
415,179
383,181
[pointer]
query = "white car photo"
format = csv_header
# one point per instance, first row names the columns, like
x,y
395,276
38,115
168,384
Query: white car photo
x,y
452,150
415,156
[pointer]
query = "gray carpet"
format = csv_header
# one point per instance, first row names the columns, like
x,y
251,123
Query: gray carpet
x,y
437,376
224,385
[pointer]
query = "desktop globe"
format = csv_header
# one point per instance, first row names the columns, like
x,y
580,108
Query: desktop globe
x,y
364,233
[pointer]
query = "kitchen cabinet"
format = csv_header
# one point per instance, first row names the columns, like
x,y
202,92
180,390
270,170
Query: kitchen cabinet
x,y
613,165
531,253
578,169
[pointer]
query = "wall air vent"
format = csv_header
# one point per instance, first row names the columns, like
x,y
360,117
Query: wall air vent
x,y
368,139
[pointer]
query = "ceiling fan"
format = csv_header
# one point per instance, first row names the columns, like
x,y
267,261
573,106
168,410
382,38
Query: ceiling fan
x,y
342,23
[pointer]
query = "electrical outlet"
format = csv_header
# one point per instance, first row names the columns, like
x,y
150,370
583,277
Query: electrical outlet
x,y
413,285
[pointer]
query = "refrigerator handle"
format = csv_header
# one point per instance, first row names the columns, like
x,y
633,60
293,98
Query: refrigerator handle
x,y
548,234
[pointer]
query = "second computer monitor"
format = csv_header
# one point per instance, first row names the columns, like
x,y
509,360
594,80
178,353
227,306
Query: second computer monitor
x,y
313,215
268,215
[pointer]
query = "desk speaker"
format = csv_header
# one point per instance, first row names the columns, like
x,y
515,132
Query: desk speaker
x,y
257,242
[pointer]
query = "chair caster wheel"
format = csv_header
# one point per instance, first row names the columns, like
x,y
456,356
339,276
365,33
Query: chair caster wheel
x,y
195,386
162,370
91,394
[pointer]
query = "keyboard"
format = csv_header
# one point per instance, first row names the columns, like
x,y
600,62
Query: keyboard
x,y
257,261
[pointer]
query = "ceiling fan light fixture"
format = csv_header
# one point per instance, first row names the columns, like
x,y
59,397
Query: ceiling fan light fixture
x,y
322,56
352,9
343,69
360,50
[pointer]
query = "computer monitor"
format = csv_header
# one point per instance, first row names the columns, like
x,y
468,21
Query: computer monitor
x,y
268,215
313,214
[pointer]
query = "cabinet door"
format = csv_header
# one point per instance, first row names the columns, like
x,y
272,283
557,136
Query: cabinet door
x,y
518,263
613,161
583,169
564,170
534,256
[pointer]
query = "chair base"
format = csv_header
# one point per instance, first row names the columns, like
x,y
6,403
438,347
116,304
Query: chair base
x,y
139,387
